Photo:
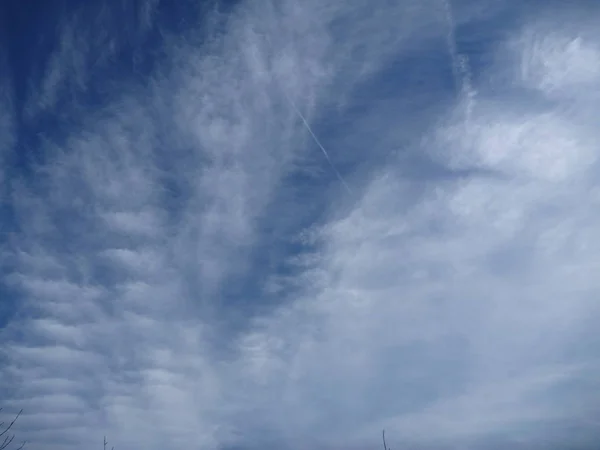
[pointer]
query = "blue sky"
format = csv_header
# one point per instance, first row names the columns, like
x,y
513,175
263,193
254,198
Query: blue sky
x,y
183,266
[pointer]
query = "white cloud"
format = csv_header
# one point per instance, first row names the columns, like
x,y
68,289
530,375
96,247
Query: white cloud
x,y
450,301
555,60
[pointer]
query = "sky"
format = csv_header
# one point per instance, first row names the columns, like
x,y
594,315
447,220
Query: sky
x,y
291,224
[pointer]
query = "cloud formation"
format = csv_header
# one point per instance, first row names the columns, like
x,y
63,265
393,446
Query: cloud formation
x,y
187,270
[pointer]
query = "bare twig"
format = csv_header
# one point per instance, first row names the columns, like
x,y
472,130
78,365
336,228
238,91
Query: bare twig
x,y
9,438
6,442
384,444
105,442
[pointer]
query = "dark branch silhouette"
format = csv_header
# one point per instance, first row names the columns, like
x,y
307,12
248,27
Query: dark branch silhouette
x,y
105,442
8,438
384,444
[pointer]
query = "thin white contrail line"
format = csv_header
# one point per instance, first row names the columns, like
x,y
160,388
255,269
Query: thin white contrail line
x,y
316,139
314,136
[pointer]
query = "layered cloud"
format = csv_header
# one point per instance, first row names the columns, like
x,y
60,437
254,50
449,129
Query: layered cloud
x,y
188,270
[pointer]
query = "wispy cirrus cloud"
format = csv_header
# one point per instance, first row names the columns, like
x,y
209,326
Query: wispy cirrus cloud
x,y
187,272
87,43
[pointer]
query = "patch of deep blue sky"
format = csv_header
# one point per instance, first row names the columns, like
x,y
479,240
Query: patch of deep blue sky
x,y
31,32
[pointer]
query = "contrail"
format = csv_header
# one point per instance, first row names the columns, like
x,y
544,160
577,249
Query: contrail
x,y
316,139
307,125
460,63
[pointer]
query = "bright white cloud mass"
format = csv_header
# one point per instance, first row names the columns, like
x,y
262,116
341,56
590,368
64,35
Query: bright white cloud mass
x,y
182,267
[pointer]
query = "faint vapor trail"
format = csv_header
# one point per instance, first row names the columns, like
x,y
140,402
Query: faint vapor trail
x,y
338,174
306,124
460,63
